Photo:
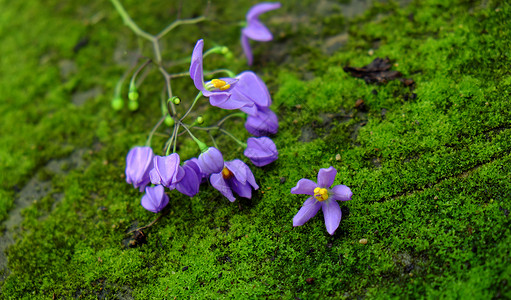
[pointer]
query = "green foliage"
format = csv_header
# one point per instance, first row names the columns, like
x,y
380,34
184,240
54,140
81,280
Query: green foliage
x,y
429,164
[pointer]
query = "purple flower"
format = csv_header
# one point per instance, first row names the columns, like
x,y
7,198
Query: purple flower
x,y
322,197
155,199
251,88
166,171
138,165
261,151
218,91
264,123
235,176
211,161
190,183
256,30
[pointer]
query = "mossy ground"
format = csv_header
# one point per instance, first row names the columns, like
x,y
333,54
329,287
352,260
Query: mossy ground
x,y
429,167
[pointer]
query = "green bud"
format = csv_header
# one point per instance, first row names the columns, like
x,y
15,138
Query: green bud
x,y
200,120
228,55
133,95
224,50
176,100
169,121
117,103
133,105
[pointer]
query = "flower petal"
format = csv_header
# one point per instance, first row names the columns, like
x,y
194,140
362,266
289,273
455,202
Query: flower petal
x,y
341,193
304,186
218,182
309,209
238,169
326,177
332,213
244,190
245,44
196,71
257,31
189,185
261,8
251,87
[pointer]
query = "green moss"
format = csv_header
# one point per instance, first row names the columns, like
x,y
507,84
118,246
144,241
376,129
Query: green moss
x,y
429,174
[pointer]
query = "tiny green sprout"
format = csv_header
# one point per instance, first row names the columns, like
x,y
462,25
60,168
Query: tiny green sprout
x,y
133,105
200,120
117,103
169,121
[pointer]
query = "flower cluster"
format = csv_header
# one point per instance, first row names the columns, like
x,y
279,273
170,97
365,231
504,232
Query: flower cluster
x,y
245,92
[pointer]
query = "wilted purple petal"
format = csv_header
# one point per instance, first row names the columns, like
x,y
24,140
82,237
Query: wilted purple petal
x,y
261,151
341,193
304,186
218,182
326,177
309,209
332,213
154,199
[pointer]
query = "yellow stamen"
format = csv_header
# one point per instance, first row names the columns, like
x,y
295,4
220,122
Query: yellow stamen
x,y
321,194
220,84
226,173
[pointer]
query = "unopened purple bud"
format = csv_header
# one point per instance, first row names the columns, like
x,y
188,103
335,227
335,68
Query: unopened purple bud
x,y
264,123
261,151
166,171
211,161
138,164
155,199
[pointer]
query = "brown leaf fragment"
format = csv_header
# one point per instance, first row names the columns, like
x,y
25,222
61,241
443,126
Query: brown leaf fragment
x,y
378,71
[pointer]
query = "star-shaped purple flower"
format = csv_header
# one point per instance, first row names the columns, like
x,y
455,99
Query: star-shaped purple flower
x,y
219,91
256,30
323,197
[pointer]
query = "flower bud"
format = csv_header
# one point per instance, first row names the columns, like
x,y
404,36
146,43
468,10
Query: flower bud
x,y
138,164
154,199
211,161
176,100
261,151
133,93
200,120
133,105
169,121
117,103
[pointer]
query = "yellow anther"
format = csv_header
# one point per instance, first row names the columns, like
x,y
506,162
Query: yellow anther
x,y
321,194
220,84
226,173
